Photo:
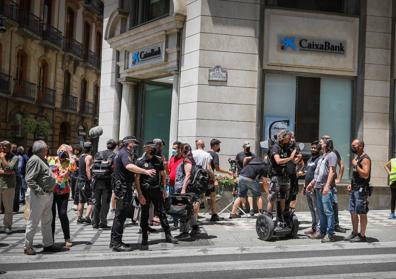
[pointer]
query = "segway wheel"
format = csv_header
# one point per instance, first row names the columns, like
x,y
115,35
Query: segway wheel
x,y
295,225
264,227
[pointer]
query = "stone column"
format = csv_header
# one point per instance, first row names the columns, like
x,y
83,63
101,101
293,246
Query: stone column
x,y
128,108
174,119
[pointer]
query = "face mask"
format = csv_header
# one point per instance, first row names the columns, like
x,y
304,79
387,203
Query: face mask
x,y
354,151
218,150
62,155
174,152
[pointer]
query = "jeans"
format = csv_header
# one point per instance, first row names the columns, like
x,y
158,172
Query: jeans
x,y
311,200
101,201
60,202
326,212
23,188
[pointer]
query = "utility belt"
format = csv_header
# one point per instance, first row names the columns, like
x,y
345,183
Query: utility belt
x,y
366,188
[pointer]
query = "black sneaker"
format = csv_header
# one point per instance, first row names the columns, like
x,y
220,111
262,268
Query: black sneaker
x,y
121,248
111,245
80,220
358,238
104,227
339,229
87,220
215,218
152,230
95,227
170,239
183,235
195,231
251,212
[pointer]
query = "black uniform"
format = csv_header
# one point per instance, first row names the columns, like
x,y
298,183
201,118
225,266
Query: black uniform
x,y
240,157
152,188
84,184
123,184
102,191
279,184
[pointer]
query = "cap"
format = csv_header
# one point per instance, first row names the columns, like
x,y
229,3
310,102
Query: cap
x,y
129,139
87,144
246,144
111,141
151,144
214,142
158,140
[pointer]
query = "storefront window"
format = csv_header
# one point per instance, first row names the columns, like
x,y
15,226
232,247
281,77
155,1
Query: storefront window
x,y
142,11
312,107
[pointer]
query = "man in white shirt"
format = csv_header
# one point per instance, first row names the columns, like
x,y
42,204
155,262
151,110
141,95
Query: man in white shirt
x,y
201,157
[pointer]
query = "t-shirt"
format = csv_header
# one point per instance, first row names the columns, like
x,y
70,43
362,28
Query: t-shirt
x,y
122,159
174,162
310,168
215,159
149,164
276,149
240,157
180,174
202,158
256,168
323,168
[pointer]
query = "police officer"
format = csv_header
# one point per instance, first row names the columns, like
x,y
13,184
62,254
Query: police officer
x,y
279,178
102,184
152,189
124,169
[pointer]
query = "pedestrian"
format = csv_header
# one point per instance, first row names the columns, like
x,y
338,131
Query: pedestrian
x,y
40,181
339,173
311,196
174,162
215,166
62,166
152,189
21,170
84,184
246,153
324,183
8,168
124,170
390,168
359,192
102,170
74,175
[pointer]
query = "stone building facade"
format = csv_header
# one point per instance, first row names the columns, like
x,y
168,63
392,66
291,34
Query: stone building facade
x,y
50,70
317,67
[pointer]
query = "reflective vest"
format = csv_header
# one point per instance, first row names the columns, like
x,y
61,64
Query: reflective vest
x,y
392,176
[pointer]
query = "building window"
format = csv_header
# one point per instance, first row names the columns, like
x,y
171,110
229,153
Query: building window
x,y
312,107
70,18
1,57
98,44
21,66
42,79
96,96
87,35
348,7
66,86
83,94
142,11
47,12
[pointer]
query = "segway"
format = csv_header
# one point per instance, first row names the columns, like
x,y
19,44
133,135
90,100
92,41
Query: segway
x,y
268,227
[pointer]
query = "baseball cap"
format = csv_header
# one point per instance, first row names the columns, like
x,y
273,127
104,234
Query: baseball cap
x,y
214,142
130,139
158,140
246,144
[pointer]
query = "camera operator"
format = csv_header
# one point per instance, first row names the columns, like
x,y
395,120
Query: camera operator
x,y
279,178
359,191
241,156
152,190
124,170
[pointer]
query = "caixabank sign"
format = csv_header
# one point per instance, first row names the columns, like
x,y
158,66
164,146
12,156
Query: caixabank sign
x,y
296,43
140,56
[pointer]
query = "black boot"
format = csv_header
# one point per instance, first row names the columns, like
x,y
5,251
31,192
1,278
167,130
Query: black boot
x,y
170,239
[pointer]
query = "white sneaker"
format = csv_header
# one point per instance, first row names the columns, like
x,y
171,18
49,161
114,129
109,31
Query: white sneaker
x,y
8,230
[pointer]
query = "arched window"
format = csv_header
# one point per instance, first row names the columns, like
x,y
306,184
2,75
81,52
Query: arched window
x,y
66,85
87,37
83,95
21,66
98,45
47,12
42,79
69,34
96,97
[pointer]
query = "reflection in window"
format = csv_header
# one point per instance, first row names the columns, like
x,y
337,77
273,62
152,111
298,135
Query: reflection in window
x,y
142,11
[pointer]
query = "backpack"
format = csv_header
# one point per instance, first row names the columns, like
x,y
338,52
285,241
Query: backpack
x,y
102,168
199,180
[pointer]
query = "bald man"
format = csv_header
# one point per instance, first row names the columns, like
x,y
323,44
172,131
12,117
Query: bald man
x,y
359,191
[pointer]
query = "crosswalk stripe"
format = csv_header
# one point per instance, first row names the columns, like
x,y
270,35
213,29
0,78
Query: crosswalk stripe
x,y
201,267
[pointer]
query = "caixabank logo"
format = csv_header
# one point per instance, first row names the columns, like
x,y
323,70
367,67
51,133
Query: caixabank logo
x,y
295,43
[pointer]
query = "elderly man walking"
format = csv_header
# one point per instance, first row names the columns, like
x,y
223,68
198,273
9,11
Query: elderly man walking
x,y
40,181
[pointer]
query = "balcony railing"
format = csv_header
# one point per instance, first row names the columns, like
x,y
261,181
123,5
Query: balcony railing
x,y
30,22
9,9
25,90
96,5
46,96
87,107
4,83
74,47
70,103
91,58
52,34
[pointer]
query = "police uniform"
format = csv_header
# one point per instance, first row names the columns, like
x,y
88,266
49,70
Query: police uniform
x,y
360,191
152,190
279,178
123,189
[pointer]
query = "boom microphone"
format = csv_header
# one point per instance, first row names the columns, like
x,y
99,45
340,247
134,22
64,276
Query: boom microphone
x,y
95,132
